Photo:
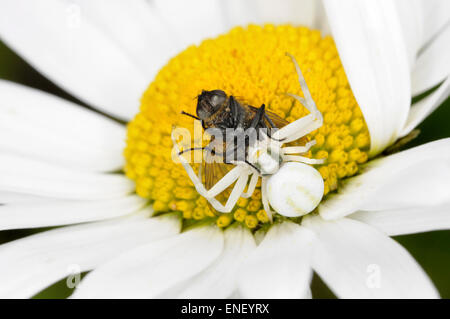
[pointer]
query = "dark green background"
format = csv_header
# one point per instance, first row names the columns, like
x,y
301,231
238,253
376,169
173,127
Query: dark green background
x,y
431,250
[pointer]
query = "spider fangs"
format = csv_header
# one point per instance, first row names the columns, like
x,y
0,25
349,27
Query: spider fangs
x,y
289,184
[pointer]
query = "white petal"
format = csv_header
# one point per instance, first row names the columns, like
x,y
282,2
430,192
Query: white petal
x,y
69,47
321,22
433,64
357,261
28,265
423,108
11,197
436,16
411,18
308,294
219,279
61,212
400,180
80,44
235,295
280,266
32,177
422,184
407,220
190,22
298,12
372,48
139,30
149,270
39,125
427,38
186,20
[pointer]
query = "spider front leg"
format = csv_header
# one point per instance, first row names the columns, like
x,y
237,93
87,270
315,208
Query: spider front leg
x,y
302,159
308,101
306,124
298,129
238,174
251,186
298,149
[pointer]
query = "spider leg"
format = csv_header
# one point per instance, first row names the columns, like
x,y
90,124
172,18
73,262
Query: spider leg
x,y
239,173
308,100
252,166
236,192
265,200
303,159
271,136
225,181
298,149
298,129
251,186
306,124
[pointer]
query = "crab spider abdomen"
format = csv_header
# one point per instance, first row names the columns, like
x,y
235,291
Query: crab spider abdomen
x,y
295,190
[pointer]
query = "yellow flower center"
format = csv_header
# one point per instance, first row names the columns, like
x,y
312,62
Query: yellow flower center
x,y
249,63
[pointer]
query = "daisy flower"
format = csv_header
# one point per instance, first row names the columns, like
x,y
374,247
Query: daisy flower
x,y
132,217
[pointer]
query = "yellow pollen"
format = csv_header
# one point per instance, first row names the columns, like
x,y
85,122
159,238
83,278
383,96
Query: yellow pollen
x,y
249,63
262,216
251,221
224,220
239,214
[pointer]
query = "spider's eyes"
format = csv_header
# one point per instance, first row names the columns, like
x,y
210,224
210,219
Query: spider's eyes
x,y
209,102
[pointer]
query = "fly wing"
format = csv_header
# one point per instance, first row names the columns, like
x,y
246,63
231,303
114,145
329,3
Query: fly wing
x,y
277,120
215,168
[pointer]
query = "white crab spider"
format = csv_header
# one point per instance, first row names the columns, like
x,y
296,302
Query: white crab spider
x,y
292,189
